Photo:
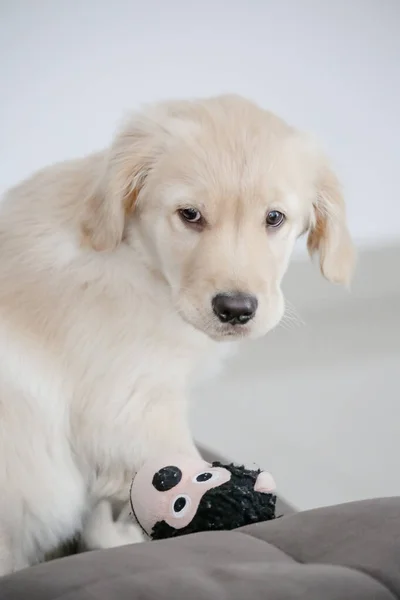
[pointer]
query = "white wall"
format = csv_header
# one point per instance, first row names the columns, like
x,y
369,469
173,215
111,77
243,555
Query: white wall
x,y
70,68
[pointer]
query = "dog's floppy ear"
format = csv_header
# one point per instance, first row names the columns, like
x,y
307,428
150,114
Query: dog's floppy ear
x,y
328,233
120,180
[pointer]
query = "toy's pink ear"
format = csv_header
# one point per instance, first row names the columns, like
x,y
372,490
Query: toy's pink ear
x,y
265,483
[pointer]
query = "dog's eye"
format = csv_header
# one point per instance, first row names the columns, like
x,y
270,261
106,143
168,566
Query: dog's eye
x,y
275,218
190,215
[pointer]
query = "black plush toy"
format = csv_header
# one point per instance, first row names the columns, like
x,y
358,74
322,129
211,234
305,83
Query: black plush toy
x,y
178,495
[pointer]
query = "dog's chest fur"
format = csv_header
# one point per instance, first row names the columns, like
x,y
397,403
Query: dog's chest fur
x,y
104,344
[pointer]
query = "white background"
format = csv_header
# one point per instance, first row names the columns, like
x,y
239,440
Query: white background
x,y
325,422
69,69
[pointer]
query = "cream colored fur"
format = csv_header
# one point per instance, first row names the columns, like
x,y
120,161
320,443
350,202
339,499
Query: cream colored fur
x,y
105,301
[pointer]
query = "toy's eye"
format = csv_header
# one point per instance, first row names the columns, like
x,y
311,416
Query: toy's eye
x,y
180,505
167,478
206,476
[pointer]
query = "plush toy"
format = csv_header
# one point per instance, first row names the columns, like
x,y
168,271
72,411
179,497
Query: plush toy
x,y
177,495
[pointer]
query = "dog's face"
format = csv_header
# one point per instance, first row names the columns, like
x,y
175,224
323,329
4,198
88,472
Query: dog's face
x,y
222,229
218,191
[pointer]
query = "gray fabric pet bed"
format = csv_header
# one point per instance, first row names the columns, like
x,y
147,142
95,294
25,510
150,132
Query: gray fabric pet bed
x,y
346,552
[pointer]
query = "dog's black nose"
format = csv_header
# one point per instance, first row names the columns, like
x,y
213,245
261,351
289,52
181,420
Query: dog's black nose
x,y
234,308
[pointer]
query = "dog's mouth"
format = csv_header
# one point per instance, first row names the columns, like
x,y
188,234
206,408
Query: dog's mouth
x,y
210,325
225,332
233,332
221,332
217,331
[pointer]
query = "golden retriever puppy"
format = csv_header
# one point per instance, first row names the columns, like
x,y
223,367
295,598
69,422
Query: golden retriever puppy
x,y
122,274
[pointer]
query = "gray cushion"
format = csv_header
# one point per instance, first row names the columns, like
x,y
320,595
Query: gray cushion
x,y
346,552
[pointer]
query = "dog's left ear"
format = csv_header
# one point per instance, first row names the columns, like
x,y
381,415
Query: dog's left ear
x,y
117,185
329,235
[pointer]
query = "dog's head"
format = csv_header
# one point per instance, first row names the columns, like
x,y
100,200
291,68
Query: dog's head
x,y
217,191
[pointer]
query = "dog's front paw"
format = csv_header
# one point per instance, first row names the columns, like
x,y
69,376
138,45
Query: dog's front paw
x,y
125,534
101,531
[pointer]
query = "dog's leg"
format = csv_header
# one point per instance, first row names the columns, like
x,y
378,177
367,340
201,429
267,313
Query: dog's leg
x,y
9,560
102,531
163,429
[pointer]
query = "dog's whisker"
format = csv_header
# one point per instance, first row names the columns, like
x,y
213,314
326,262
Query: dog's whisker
x,y
292,315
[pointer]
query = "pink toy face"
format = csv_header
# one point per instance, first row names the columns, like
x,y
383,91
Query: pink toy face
x,y
172,491
182,500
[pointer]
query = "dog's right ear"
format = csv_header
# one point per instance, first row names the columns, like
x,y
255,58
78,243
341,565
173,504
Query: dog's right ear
x,y
129,161
120,180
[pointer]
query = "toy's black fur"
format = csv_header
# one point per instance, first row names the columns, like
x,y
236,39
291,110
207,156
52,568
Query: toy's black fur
x,y
232,504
